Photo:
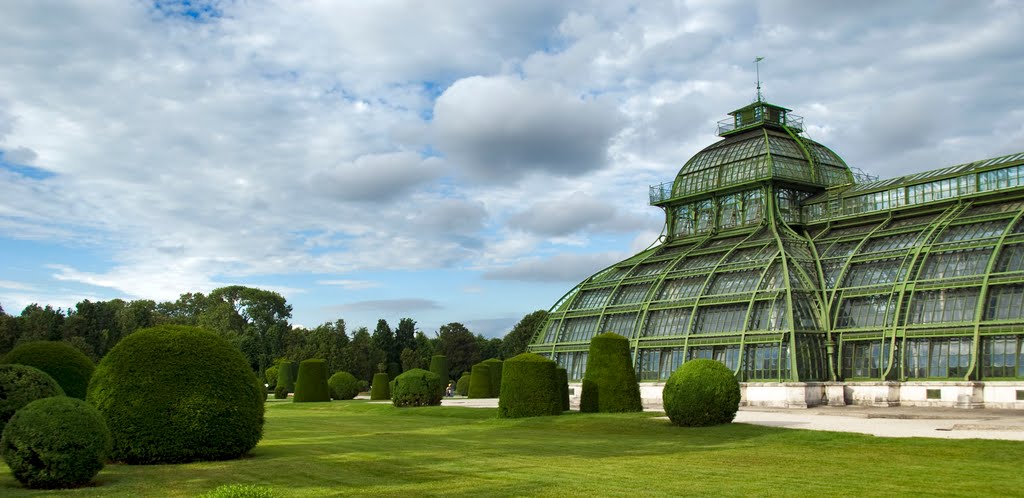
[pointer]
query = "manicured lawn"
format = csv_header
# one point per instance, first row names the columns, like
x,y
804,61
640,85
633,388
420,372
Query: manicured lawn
x,y
356,448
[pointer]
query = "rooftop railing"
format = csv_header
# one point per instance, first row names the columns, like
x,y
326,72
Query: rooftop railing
x,y
791,121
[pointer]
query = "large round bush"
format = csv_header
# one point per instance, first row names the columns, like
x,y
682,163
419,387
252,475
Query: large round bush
x,y
529,387
175,394
609,384
70,367
57,442
417,387
312,382
480,381
21,385
495,370
343,385
701,392
462,386
380,389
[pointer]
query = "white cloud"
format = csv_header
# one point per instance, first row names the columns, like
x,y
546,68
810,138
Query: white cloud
x,y
351,284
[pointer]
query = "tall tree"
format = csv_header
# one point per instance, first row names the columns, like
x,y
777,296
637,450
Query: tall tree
x,y
359,352
456,342
519,337
258,317
405,335
489,348
184,311
384,342
38,323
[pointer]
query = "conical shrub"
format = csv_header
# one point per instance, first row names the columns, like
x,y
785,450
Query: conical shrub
x,y
609,384
312,382
439,365
380,389
480,381
495,365
529,387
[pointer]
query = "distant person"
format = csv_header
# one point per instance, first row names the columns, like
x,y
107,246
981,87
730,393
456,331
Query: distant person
x,y
448,390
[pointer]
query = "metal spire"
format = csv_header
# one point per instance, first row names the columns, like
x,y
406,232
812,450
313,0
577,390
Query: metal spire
x,y
757,68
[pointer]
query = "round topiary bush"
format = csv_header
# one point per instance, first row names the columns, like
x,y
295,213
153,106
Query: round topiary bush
x,y
609,384
343,385
439,365
563,386
417,387
57,442
21,385
529,387
285,378
173,394
271,376
312,382
495,365
701,392
480,381
462,386
380,388
70,367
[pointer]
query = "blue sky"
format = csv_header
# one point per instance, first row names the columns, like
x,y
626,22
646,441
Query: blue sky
x,y
451,161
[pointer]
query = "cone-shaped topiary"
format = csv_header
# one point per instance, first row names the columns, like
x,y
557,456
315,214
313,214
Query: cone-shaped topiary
x,y
380,389
529,387
495,366
609,384
312,382
56,442
701,392
21,385
285,378
174,394
343,385
563,385
439,365
462,386
67,365
417,387
480,381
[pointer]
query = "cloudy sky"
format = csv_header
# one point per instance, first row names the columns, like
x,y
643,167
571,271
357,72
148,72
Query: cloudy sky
x,y
446,161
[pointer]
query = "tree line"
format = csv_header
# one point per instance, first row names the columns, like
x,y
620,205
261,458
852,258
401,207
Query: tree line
x,y
257,322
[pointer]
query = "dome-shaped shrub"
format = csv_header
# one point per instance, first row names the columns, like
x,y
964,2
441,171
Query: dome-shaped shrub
x,y
174,394
439,365
563,386
495,369
529,387
480,381
609,384
68,366
312,382
343,385
701,392
380,388
462,386
57,442
21,385
417,387
271,376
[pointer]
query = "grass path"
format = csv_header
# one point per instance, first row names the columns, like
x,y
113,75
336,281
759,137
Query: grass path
x,y
355,448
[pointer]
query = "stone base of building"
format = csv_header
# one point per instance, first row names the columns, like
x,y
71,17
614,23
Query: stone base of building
x,y
949,394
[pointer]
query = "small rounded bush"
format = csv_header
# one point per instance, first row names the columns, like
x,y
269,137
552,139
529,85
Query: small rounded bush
x,y
439,365
343,385
174,394
563,385
417,387
529,387
480,381
462,386
701,392
57,442
21,385
240,491
609,384
70,367
364,386
271,376
285,378
495,365
280,392
380,388
312,382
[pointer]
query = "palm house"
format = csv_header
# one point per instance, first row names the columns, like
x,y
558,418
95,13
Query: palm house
x,y
815,283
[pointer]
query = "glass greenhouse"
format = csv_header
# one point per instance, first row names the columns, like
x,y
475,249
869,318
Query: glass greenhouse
x,y
788,266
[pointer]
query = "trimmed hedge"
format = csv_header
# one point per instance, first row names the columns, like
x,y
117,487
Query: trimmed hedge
x,y
21,385
70,367
57,442
380,389
480,381
496,367
285,379
609,384
701,392
343,385
529,388
563,385
462,386
174,394
311,386
439,365
417,387
271,375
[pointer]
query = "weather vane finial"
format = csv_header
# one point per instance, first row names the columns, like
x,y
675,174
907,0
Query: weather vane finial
x,y
757,68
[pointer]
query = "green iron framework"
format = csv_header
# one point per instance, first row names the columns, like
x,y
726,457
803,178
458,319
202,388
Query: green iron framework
x,y
785,264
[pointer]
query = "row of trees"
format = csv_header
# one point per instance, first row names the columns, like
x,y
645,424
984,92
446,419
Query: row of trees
x,y
256,321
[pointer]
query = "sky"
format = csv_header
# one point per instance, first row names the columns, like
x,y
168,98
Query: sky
x,y
445,161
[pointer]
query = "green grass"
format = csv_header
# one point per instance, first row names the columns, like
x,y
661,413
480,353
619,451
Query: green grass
x,y
355,448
